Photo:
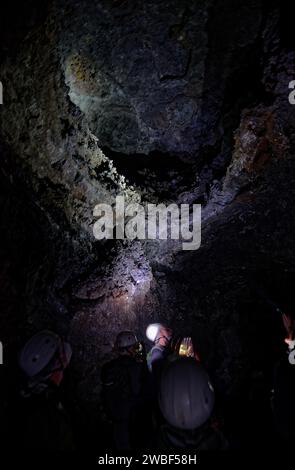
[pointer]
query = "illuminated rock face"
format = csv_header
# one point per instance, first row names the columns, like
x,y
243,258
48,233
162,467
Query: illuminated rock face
x,y
159,101
151,76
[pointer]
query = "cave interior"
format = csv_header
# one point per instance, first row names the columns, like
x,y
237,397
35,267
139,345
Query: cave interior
x,y
162,101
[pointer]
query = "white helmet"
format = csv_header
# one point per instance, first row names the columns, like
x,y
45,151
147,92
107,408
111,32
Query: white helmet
x,y
38,352
186,396
152,331
156,330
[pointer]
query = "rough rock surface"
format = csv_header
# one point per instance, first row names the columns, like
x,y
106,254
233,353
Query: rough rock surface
x,y
166,95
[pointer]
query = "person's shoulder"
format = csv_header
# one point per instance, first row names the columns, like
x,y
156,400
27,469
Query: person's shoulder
x,y
157,349
123,362
110,366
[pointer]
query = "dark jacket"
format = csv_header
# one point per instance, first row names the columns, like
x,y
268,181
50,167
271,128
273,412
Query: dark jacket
x,y
39,422
123,381
283,400
126,397
205,438
157,359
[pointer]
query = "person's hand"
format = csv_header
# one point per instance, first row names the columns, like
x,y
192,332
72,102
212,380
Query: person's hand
x,y
289,324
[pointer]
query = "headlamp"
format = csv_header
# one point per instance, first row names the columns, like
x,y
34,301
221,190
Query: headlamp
x,y
152,331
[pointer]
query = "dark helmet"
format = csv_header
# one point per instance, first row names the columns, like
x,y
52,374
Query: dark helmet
x,y
125,340
186,396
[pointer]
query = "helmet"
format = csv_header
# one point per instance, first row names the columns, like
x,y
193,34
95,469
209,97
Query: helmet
x,y
125,339
38,352
152,331
291,357
156,330
186,396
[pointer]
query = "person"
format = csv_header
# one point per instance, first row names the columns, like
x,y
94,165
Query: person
x,y
41,420
186,400
125,392
284,386
161,336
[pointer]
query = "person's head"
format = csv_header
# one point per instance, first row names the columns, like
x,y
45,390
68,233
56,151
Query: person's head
x,y
127,343
44,358
186,396
159,334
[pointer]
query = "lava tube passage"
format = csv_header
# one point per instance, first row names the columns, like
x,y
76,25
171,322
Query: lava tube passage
x,y
147,262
